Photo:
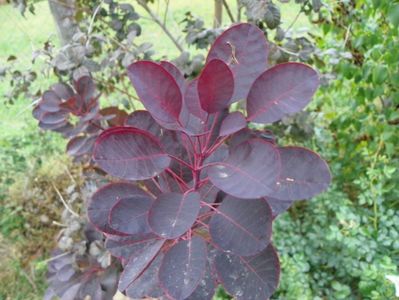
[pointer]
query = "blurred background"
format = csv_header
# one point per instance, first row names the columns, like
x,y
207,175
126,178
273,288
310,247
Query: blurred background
x,y
340,245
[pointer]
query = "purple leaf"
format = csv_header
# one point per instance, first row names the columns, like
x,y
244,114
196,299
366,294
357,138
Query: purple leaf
x,y
85,88
183,267
80,145
176,74
234,122
243,227
50,102
244,48
249,278
303,174
278,206
138,262
147,285
172,214
282,90
215,86
104,199
63,90
142,119
192,101
127,246
130,153
129,215
52,126
114,115
250,171
206,288
53,117
158,91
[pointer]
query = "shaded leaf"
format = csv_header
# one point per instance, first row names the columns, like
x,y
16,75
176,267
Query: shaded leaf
x,y
234,122
138,263
130,153
183,267
158,91
104,199
172,214
249,278
243,227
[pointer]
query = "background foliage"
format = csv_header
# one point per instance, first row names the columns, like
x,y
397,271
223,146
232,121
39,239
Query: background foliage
x,y
340,245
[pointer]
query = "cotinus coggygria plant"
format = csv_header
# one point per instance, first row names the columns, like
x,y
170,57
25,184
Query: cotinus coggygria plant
x,y
199,190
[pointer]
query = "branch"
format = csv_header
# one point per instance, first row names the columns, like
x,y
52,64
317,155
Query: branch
x,y
156,19
64,202
226,6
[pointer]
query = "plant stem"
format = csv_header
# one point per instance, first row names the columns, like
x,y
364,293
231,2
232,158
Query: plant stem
x,y
226,6
156,19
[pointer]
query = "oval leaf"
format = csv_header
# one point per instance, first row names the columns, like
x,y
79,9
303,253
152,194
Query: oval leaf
x,y
215,86
129,215
127,246
104,199
176,74
147,285
303,174
130,153
234,122
244,48
80,145
282,90
183,267
249,278
206,288
278,206
172,214
138,262
158,91
243,227
250,171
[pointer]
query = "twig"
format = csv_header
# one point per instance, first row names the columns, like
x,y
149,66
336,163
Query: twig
x,y
64,202
226,6
294,21
55,257
156,19
92,22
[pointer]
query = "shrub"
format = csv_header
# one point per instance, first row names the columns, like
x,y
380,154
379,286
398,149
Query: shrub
x,y
207,187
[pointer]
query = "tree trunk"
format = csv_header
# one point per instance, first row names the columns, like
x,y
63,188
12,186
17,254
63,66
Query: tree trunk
x,y
63,12
217,22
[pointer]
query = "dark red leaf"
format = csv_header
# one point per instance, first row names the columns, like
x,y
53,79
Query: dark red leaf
x,y
250,171
142,119
183,267
215,86
244,48
172,214
80,145
138,262
158,91
249,278
129,215
234,122
176,74
104,199
53,117
282,90
243,227
115,116
303,174
130,153
86,88
192,101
